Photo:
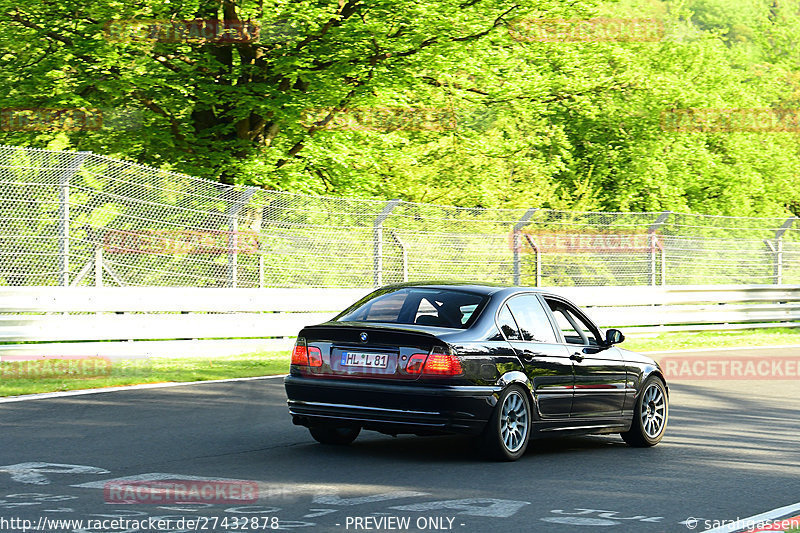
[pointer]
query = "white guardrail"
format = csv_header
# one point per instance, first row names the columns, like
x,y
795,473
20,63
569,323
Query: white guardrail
x,y
132,322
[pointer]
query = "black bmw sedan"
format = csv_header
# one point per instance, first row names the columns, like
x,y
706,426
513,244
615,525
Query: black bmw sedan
x,y
506,364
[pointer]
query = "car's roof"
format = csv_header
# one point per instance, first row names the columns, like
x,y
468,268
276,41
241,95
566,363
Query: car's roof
x,y
487,289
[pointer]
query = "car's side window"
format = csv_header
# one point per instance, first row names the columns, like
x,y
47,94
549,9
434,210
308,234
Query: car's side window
x,y
466,312
532,319
574,329
507,325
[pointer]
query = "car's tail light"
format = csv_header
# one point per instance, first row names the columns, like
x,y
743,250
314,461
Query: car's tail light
x,y
442,364
300,352
437,363
415,363
304,355
314,356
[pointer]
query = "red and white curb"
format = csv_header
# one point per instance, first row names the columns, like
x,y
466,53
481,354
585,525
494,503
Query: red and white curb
x,y
772,521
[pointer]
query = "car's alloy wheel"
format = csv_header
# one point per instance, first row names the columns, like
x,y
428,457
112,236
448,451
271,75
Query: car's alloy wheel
x,y
507,434
650,416
339,435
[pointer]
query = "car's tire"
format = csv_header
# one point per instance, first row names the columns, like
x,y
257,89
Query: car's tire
x,y
650,415
335,435
506,436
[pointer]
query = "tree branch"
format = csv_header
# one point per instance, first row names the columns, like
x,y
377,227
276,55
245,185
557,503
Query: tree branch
x,y
436,83
16,17
173,122
345,11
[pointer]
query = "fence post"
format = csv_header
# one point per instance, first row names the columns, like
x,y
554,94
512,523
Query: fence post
x,y
98,266
538,252
517,244
377,242
778,250
652,259
404,255
653,242
232,212
63,216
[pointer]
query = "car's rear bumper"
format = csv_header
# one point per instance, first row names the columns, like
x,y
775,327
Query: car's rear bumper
x,y
390,407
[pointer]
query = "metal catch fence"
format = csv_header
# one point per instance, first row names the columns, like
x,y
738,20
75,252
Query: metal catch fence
x,y
78,218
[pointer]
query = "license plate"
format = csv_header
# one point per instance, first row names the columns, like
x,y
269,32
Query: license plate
x,y
368,360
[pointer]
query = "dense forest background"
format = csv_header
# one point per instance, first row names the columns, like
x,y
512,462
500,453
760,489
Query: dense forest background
x,y
575,123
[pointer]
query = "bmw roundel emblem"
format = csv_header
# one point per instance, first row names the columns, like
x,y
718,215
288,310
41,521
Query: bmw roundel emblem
x,y
364,337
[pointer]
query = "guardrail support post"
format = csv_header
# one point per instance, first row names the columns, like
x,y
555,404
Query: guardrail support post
x,y
778,250
517,246
63,216
377,242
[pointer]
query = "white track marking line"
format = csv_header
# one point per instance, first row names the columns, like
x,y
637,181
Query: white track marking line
x,y
723,349
62,394
747,523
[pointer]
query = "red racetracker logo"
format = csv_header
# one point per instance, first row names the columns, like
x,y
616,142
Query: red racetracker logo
x,y
711,368
566,243
62,366
180,491
381,119
50,119
180,241
586,30
201,31
764,120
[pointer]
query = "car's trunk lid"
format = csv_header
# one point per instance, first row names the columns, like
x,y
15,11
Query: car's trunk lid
x,y
369,351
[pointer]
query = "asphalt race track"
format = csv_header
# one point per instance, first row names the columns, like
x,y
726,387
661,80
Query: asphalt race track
x,y
732,450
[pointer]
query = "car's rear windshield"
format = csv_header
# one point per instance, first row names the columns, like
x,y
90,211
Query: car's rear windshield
x,y
445,308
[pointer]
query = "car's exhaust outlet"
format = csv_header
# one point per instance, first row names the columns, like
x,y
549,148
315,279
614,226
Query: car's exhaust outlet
x,y
298,420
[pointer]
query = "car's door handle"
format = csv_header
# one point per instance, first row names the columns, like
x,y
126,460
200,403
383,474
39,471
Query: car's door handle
x,y
577,356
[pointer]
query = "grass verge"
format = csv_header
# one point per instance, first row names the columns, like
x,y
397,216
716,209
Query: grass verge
x,y
713,339
30,377
51,375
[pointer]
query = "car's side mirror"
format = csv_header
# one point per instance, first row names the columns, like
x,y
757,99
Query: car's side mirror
x,y
614,336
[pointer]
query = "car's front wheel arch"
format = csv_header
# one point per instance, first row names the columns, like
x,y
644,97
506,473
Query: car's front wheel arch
x,y
650,414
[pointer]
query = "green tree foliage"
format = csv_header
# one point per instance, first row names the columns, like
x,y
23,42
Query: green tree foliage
x,y
447,101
